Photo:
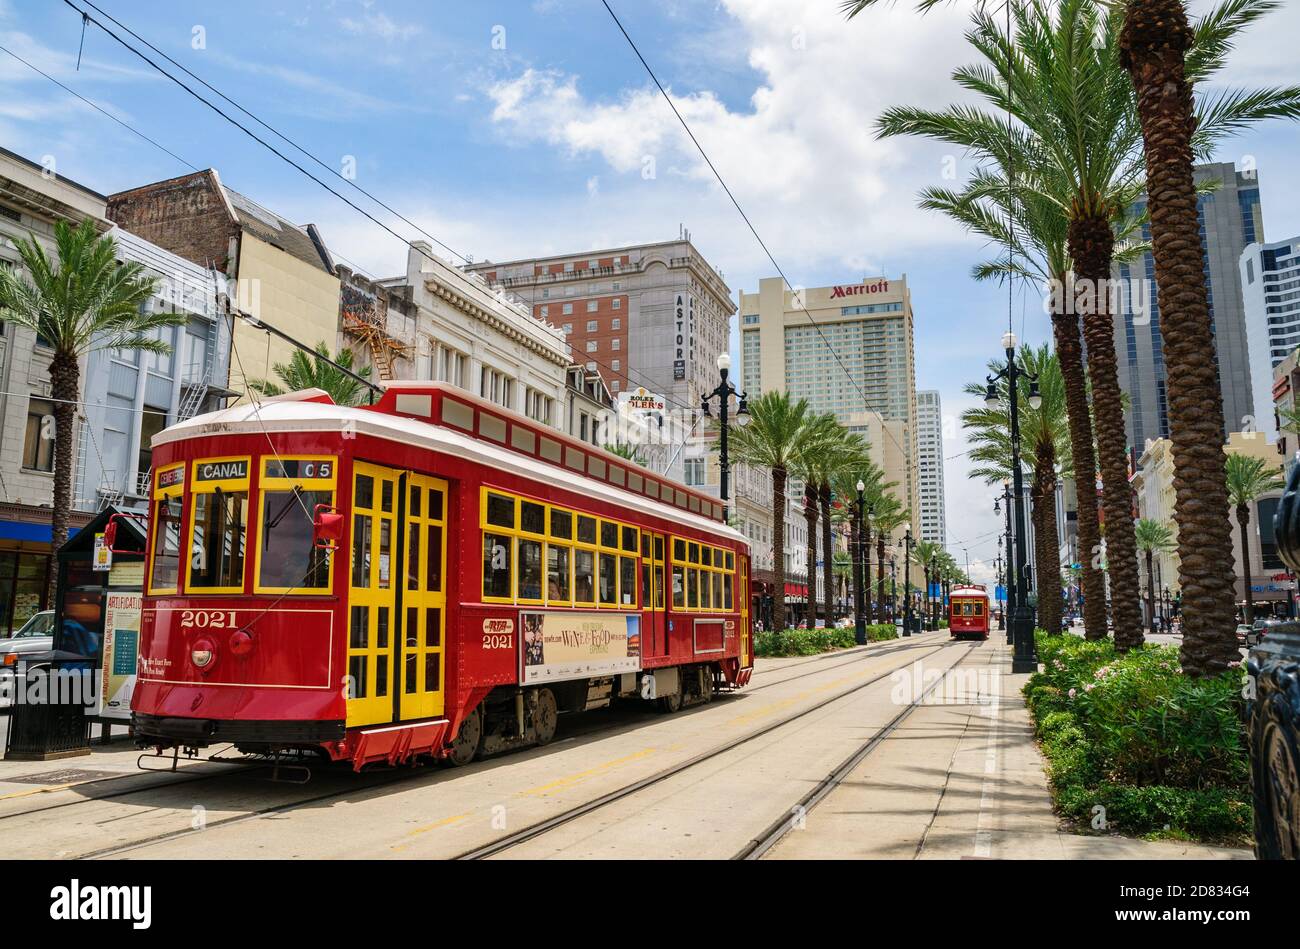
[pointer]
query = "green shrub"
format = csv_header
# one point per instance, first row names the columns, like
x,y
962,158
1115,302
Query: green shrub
x,y
810,642
1134,735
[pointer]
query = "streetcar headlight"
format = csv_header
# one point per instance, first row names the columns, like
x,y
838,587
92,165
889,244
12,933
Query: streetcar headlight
x,y
203,653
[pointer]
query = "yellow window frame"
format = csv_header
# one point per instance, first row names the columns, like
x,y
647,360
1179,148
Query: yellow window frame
x,y
225,486
160,493
268,483
699,563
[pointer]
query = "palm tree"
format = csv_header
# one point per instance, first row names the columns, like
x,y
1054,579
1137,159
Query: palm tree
x,y
627,451
838,450
1045,449
889,515
86,301
844,485
314,372
1159,48
1152,537
1089,126
776,438
1247,479
926,553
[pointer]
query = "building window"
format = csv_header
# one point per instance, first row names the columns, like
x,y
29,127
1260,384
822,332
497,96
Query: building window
x,y
591,367
694,474
617,303
615,365
545,310
591,346
38,442
592,306
568,309
616,344
592,326
567,327
617,324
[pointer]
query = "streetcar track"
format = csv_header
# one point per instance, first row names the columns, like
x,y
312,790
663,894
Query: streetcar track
x,y
232,770
542,827
394,778
774,832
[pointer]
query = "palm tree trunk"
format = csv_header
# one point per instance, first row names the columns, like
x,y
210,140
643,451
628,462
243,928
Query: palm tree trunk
x,y
1069,352
1091,243
1243,521
1047,550
1151,588
65,387
778,548
810,521
1154,40
828,561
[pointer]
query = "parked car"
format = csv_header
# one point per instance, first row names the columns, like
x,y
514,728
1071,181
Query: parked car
x,y
36,635
1243,634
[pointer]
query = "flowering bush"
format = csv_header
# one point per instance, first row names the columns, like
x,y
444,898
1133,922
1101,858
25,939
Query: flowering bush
x,y
1132,735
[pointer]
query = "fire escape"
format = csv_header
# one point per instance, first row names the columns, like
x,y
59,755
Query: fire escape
x,y
366,318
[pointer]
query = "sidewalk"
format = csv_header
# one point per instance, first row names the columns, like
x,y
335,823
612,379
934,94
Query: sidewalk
x,y
963,782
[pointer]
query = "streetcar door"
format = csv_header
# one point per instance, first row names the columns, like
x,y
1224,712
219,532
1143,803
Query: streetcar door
x,y
372,595
742,594
423,605
654,639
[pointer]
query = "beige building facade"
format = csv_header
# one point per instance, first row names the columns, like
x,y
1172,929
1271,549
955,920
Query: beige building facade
x,y
848,349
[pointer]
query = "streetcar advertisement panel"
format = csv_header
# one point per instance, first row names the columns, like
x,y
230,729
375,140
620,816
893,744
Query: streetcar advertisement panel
x,y
561,646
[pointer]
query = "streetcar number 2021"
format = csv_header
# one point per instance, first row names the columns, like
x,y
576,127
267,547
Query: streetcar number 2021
x,y
498,641
207,619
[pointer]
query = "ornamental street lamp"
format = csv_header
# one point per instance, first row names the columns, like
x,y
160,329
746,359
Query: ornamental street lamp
x,y
1002,613
723,394
859,620
907,583
1022,618
893,590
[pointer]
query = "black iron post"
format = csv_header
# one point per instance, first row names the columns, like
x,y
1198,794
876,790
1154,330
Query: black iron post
x,y
907,583
999,506
723,394
1022,617
859,620
893,590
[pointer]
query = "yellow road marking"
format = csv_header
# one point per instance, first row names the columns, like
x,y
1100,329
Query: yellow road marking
x,y
573,779
446,821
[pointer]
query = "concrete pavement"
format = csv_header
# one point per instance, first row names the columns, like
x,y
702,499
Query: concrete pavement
x,y
962,781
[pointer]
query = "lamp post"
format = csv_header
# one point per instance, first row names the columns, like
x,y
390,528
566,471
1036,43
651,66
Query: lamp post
x,y
859,620
1022,618
907,583
1002,613
723,394
893,590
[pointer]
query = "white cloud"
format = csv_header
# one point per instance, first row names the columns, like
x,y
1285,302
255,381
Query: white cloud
x,y
380,25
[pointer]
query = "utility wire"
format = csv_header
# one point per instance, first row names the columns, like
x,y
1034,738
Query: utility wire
x,y
630,373
748,223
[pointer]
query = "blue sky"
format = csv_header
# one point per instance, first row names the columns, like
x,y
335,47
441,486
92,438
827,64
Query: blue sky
x,y
512,128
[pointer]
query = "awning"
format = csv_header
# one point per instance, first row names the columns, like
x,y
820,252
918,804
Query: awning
x,y
796,589
22,530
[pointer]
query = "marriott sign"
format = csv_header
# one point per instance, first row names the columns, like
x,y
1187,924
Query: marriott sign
x,y
860,289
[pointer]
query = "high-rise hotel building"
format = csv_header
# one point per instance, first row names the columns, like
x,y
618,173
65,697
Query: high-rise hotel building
x,y
929,456
848,350
1270,281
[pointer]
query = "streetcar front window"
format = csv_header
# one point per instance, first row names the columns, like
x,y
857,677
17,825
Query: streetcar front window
x,y
290,559
166,545
220,520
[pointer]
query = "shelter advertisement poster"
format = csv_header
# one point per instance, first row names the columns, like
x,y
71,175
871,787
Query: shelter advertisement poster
x,y
121,649
562,646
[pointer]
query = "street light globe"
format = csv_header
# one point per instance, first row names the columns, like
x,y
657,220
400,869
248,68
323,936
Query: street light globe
x,y
861,487
724,361
1008,340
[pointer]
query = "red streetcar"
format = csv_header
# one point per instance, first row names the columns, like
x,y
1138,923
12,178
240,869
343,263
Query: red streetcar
x,y
432,575
968,612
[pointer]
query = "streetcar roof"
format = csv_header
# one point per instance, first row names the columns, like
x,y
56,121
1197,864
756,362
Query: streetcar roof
x,y
313,411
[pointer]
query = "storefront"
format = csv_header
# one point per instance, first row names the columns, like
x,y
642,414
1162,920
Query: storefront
x,y
25,563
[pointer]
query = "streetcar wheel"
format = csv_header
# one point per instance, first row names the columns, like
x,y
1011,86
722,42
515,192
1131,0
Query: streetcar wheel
x,y
466,744
671,703
545,717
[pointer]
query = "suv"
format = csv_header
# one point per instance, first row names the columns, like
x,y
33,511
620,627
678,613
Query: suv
x,y
36,635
